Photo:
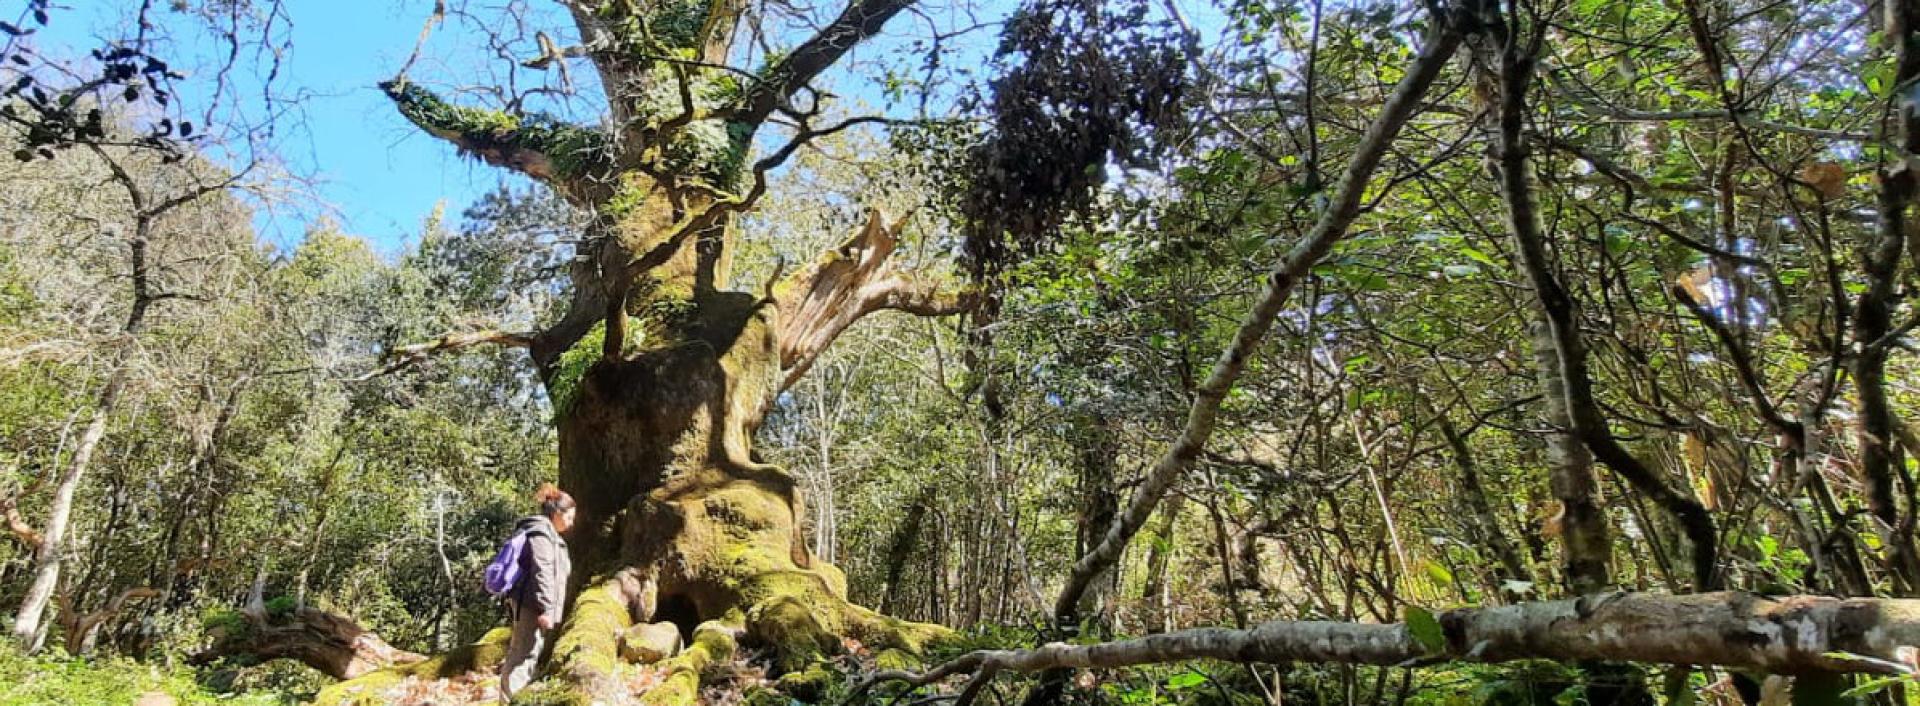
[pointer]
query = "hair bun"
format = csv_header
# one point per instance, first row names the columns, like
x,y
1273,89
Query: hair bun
x,y
548,492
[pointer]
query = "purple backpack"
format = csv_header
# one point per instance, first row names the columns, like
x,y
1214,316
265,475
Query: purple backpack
x,y
504,573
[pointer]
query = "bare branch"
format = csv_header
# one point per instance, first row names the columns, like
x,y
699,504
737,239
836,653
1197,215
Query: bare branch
x,y
17,524
861,19
80,627
406,356
1343,207
1790,635
845,284
1743,364
10,357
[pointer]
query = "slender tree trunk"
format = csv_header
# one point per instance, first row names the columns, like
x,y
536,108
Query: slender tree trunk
x,y
1580,520
1223,551
1484,524
1587,422
27,625
1098,452
1872,314
900,547
1154,591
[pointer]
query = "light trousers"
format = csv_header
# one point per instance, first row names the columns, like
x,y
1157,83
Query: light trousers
x,y
523,653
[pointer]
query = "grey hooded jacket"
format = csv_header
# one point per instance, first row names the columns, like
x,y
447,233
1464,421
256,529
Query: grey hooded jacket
x,y
544,568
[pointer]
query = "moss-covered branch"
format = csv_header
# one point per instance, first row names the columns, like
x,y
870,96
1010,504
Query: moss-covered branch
x,y
539,146
713,642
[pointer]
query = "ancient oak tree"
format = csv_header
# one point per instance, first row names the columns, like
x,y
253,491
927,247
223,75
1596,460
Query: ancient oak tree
x,y
661,368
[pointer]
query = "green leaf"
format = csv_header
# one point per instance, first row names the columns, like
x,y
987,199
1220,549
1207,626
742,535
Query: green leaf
x,y
1426,629
1480,257
1186,680
1874,686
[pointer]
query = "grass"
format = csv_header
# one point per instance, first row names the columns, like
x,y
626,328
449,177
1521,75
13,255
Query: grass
x,y
55,678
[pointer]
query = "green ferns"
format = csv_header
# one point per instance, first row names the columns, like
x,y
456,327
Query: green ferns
x,y
563,383
710,148
676,25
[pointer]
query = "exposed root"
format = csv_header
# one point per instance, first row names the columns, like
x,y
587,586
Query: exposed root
x,y
484,655
586,653
713,642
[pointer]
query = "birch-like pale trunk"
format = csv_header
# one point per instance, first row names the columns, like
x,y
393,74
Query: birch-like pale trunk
x,y
1789,635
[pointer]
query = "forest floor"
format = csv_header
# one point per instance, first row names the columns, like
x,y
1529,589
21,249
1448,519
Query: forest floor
x,y
483,689
53,678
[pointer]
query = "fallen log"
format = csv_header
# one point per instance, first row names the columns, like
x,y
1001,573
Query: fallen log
x,y
1782,635
333,644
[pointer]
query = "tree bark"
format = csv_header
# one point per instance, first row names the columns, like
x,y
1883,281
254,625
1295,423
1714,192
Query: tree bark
x,y
1789,635
1585,538
332,644
1873,310
1587,421
48,556
677,520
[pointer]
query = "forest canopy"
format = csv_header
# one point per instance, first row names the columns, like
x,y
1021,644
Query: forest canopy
x,y
1109,352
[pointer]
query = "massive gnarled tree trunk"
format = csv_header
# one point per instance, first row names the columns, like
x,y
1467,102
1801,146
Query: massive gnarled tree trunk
x,y
678,522
660,371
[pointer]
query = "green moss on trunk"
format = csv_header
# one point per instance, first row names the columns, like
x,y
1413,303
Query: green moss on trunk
x,y
586,654
680,686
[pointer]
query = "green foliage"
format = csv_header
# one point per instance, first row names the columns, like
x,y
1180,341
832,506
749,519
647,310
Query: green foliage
x,y
563,382
57,679
281,606
676,24
227,622
1425,629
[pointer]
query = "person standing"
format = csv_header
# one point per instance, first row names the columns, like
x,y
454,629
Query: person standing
x,y
538,599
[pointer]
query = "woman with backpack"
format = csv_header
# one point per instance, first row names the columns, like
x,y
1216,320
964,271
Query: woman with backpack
x,y
531,574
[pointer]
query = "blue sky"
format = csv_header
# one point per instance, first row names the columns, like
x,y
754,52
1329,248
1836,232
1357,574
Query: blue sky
x,y
365,166
378,174
368,168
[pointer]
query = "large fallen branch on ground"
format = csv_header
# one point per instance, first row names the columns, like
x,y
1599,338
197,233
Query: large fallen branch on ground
x,y
333,644
1788,635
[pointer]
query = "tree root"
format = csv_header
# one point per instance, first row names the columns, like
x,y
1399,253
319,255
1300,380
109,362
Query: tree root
x,y
713,642
586,654
484,654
